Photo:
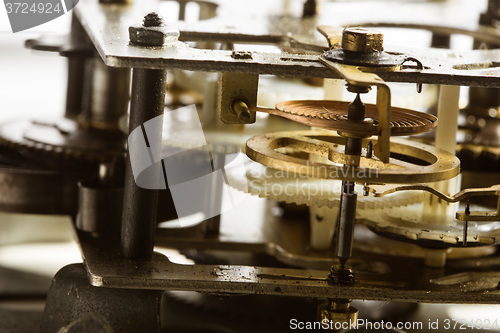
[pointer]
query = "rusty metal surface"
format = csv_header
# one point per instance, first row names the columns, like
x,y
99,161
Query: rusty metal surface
x,y
107,27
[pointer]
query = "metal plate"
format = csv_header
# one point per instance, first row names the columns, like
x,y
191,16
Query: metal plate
x,y
107,27
106,269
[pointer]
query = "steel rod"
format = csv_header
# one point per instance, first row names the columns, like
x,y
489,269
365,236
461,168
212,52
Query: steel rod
x,y
140,204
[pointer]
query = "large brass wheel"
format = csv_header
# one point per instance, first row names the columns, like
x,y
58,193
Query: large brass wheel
x,y
410,162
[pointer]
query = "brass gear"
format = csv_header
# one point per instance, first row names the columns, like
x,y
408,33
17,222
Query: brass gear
x,y
284,187
410,162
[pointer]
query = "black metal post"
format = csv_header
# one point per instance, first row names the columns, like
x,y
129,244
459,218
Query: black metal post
x,y
78,80
140,205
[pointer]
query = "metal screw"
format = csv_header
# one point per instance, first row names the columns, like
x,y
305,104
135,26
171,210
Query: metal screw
x,y
152,20
153,32
241,55
341,276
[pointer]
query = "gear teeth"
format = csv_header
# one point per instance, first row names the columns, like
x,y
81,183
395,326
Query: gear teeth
x,y
261,181
16,140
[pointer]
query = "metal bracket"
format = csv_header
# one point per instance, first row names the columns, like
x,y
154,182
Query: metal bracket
x,y
381,190
237,93
354,76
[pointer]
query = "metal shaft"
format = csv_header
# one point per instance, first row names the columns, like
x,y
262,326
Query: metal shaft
x,y
109,95
346,222
78,80
348,199
213,204
140,205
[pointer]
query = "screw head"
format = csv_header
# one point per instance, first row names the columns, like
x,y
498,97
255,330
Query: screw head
x,y
152,20
362,40
341,276
153,32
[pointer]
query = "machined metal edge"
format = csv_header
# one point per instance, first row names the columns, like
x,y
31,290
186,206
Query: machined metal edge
x,y
106,270
107,27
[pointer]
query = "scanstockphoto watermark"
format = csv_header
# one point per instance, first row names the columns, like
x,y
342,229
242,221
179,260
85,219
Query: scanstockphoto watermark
x,y
433,325
26,14
326,324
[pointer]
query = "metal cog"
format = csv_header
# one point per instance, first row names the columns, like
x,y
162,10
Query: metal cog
x,y
63,138
285,187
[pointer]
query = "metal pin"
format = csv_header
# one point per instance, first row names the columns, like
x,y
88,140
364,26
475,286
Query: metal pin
x,y
369,150
369,154
365,190
420,66
466,224
240,108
